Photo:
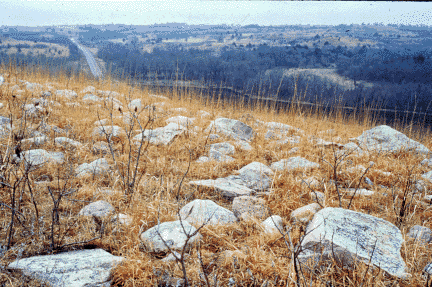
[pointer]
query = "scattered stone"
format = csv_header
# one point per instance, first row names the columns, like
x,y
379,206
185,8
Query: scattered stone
x,y
358,192
427,162
89,89
67,142
232,128
114,131
135,105
244,145
317,196
101,148
304,214
91,98
349,235
38,157
203,114
99,209
293,163
384,138
273,224
428,176
69,94
246,206
226,187
222,148
420,233
181,120
35,140
74,268
97,167
199,211
163,135
172,233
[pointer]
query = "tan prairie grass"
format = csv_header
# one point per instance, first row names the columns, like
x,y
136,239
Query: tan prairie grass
x,y
163,190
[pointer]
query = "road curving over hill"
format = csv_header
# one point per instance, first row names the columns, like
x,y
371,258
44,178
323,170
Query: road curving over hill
x,y
96,71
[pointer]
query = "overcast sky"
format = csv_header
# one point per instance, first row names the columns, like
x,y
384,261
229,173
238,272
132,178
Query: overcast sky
x,y
59,12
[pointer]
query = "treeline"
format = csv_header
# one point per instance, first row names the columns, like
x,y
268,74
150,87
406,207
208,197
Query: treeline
x,y
400,78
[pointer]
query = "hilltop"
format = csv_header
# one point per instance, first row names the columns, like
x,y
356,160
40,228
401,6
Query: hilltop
x,y
101,178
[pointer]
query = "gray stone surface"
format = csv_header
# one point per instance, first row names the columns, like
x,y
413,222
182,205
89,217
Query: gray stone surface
x,y
75,268
348,235
69,94
420,233
292,163
181,120
385,139
305,213
96,167
226,187
358,192
173,235
273,224
115,131
91,98
66,142
246,206
199,211
41,156
428,176
163,135
232,128
99,208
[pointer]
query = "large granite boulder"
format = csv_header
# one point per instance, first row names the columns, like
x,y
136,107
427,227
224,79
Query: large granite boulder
x,y
385,139
232,128
75,268
172,233
199,211
292,163
349,236
163,135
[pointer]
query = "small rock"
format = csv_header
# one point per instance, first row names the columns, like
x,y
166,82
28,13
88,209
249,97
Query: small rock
x,y
304,214
420,233
99,209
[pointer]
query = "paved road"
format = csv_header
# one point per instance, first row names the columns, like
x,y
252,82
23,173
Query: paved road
x,y
96,71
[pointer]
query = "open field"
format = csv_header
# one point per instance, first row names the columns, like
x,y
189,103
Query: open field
x,y
149,183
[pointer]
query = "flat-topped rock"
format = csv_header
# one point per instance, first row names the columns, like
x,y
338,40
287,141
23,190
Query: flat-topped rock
x,y
172,233
75,268
348,234
384,138
99,209
38,157
292,163
226,187
199,211
232,128
163,135
96,167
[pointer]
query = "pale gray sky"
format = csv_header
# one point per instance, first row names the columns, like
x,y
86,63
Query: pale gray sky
x,y
59,12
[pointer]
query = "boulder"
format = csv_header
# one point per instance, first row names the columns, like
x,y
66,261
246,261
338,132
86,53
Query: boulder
x,y
67,142
75,268
181,120
420,233
89,98
172,233
232,128
135,105
292,163
385,139
305,213
99,209
115,131
246,206
69,94
163,135
349,235
40,156
97,167
273,224
199,211
226,187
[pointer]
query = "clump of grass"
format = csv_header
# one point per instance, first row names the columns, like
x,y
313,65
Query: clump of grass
x,y
40,217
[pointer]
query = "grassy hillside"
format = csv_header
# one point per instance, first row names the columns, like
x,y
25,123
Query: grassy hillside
x,y
40,207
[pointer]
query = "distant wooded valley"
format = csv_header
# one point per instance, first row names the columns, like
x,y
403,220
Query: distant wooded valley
x,y
387,66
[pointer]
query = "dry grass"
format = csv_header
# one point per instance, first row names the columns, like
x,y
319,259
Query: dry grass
x,y
158,194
